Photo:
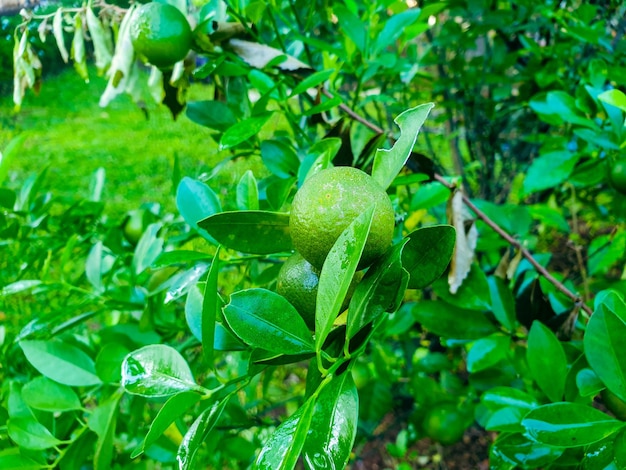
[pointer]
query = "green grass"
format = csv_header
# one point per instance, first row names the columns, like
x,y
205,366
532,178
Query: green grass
x,y
71,135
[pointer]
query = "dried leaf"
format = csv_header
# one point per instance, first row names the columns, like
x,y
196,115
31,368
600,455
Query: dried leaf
x,y
260,56
466,238
57,29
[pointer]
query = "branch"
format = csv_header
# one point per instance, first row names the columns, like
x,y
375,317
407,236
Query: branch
x,y
578,301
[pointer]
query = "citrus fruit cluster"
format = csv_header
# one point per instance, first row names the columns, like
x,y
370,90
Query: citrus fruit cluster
x,y
160,34
322,209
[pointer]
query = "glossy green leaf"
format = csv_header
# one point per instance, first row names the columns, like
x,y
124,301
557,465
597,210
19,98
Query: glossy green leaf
x,y
109,362
501,397
258,232
334,425
179,284
502,302
547,361
42,393
157,370
176,406
452,322
569,424
20,286
198,433
487,352
312,81
389,162
337,274
588,383
212,114
506,419
28,433
280,158
620,449
242,131
61,362
615,98
600,455
15,461
605,348
427,254
266,320
318,158
169,258
381,290
196,201
248,193
148,249
103,422
549,170
210,305
518,450
282,449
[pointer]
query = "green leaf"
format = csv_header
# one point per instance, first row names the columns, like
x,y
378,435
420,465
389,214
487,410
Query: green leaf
x,y
157,370
103,422
28,433
547,361
78,48
99,262
333,426
352,26
282,449
381,290
10,153
569,425
518,450
109,362
176,406
473,293
389,162
487,352
210,304
198,432
620,449
588,383
337,274
247,193
549,170
427,254
15,461
42,393
148,249
395,26
615,98
325,105
556,107
503,397
605,348
196,201
502,302
266,320
212,114
312,81
258,232
20,286
452,322
242,131
169,258
280,158
61,362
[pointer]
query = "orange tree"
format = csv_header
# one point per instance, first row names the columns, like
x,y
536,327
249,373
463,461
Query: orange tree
x,y
175,346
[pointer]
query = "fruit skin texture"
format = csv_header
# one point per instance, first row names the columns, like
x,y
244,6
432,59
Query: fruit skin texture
x,y
617,176
298,281
328,202
445,423
160,33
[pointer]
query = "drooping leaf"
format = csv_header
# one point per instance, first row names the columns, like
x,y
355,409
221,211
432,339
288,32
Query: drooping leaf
x,y
333,426
283,448
78,48
427,254
157,370
604,345
258,232
174,407
61,362
100,41
243,130
28,433
57,30
196,201
266,320
198,433
466,240
547,361
389,162
260,56
337,274
452,322
42,393
569,425
381,290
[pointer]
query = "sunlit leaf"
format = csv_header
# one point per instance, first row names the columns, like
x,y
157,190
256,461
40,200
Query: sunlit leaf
x,y
42,393
28,433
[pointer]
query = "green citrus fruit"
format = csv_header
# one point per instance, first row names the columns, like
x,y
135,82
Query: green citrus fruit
x,y
298,281
328,202
445,423
160,34
135,223
617,175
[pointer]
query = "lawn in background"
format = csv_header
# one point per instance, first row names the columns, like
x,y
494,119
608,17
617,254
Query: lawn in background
x,y
71,135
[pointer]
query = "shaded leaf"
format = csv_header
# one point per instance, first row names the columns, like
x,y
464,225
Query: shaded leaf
x,y
427,254
549,170
466,239
452,322
103,422
280,158
212,114
547,361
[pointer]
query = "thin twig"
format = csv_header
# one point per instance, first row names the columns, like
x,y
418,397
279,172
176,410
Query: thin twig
x,y
577,299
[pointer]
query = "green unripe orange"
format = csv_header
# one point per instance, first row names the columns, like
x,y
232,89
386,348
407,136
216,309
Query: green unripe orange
x,y
326,205
160,34
617,175
445,423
